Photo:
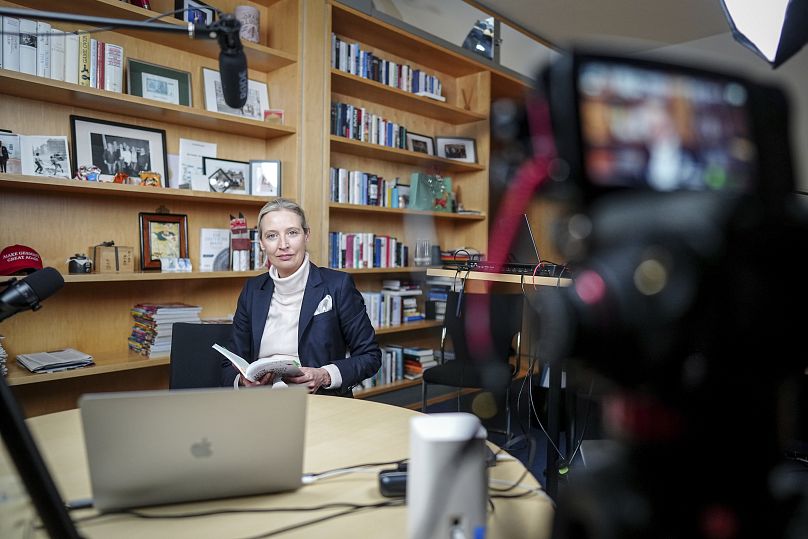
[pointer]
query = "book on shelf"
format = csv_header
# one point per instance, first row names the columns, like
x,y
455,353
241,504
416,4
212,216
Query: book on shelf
x,y
430,95
59,360
214,249
112,67
279,364
84,59
43,49
11,43
153,323
58,41
3,358
28,40
71,58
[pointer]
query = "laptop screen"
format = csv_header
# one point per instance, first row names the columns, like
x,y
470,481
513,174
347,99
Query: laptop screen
x,y
523,248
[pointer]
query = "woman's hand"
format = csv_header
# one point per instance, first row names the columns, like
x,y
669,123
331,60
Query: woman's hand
x,y
267,379
314,378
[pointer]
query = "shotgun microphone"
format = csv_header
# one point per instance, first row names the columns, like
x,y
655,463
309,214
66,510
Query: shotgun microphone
x,y
232,60
29,292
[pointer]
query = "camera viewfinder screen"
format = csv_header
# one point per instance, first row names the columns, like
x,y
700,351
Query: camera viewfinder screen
x,y
666,131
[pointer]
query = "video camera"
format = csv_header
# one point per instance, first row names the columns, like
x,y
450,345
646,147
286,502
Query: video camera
x,y
686,239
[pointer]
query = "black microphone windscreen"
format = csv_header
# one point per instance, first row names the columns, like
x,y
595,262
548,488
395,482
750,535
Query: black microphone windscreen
x,y
45,282
233,72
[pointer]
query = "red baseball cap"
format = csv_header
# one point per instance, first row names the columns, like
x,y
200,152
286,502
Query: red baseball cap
x,y
19,258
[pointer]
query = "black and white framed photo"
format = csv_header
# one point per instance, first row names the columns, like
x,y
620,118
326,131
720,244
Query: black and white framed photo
x,y
194,11
457,148
265,178
158,83
225,176
420,143
44,156
257,97
115,147
12,164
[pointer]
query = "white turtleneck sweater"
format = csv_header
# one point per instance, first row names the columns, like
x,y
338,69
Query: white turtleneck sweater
x,y
280,331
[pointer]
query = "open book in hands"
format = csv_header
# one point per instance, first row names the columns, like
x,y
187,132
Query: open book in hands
x,y
256,370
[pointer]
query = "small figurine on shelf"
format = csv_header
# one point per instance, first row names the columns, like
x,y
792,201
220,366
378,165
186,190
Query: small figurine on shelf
x,y
150,179
88,173
120,177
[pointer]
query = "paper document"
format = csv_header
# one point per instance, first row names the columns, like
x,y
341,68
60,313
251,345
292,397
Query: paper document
x,y
283,366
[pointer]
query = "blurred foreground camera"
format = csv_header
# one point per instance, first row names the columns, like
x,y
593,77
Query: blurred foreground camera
x,y
687,244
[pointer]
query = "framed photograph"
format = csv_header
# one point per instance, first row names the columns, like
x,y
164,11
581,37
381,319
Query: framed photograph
x,y
458,149
162,235
158,83
420,143
115,147
265,178
13,163
194,11
257,97
225,176
44,156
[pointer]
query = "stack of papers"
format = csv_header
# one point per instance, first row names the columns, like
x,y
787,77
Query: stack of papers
x,y
3,358
60,360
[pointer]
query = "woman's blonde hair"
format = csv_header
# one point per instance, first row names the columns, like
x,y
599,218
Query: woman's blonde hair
x,y
284,204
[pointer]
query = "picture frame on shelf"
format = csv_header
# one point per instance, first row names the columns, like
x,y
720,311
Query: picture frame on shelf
x,y
227,176
12,143
117,147
158,83
257,97
162,235
265,178
194,11
457,148
420,143
44,155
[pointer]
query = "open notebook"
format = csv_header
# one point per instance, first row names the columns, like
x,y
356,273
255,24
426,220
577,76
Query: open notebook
x,y
158,447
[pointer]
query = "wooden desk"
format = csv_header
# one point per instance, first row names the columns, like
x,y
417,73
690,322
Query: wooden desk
x,y
340,432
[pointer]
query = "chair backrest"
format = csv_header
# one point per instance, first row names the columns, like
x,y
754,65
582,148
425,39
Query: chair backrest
x,y
483,328
193,362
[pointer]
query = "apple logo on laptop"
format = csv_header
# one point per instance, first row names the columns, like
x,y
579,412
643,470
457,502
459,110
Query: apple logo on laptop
x,y
201,449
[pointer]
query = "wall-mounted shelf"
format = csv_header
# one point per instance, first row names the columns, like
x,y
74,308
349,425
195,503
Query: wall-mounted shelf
x,y
412,326
370,90
376,151
104,364
158,276
359,208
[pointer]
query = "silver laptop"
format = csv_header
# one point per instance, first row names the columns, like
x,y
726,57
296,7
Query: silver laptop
x,y
158,447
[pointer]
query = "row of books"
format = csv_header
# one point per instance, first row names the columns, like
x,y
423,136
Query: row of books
x,y
3,358
392,308
437,294
350,57
367,189
217,252
152,326
36,48
358,124
365,250
400,363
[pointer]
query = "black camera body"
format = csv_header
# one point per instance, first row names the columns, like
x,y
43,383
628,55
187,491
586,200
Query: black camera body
x,y
79,263
681,184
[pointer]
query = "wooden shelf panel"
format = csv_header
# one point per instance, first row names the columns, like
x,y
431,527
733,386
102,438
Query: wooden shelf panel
x,y
370,90
359,208
365,29
39,183
385,153
379,390
499,277
158,276
65,93
412,326
104,364
381,271
259,57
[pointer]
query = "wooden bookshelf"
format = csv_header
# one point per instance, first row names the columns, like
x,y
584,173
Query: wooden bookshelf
x,y
386,153
158,276
359,208
104,364
412,326
381,271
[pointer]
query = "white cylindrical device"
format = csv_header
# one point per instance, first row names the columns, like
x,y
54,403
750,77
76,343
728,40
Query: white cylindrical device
x,y
447,478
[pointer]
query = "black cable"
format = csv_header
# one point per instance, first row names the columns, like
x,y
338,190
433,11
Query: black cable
x,y
364,465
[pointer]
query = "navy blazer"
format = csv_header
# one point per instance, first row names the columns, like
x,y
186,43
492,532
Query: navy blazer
x,y
322,339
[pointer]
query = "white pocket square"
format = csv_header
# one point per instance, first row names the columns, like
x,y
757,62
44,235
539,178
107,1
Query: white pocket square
x,y
325,305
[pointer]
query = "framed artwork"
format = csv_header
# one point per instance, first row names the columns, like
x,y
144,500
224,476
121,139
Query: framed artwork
x,y
44,156
265,178
11,142
162,235
194,11
225,176
420,143
158,83
257,97
458,149
115,147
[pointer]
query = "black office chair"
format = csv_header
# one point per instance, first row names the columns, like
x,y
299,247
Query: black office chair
x,y
193,362
481,354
